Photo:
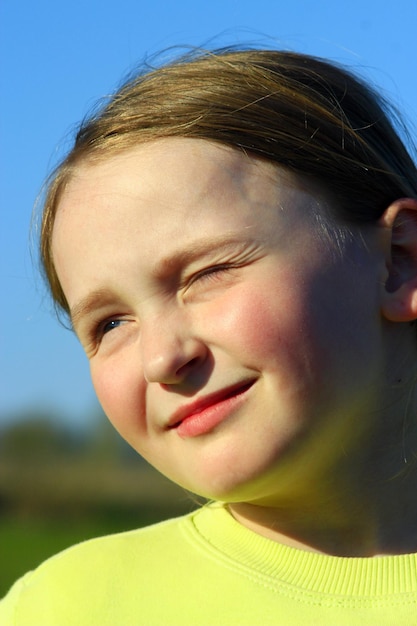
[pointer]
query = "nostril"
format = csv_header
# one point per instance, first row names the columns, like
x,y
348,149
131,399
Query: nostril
x,y
188,366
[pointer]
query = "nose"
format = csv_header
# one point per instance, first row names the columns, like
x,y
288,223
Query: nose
x,y
170,350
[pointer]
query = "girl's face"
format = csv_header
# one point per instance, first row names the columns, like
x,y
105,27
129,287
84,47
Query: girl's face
x,y
231,343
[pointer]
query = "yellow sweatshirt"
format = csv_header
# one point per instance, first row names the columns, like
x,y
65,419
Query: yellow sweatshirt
x,y
207,569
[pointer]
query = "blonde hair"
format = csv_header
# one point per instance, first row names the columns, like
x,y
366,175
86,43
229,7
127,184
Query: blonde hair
x,y
303,113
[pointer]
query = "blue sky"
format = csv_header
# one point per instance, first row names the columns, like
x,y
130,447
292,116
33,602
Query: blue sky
x,y
58,59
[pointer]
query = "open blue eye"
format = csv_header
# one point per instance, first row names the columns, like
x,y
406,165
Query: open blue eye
x,y
111,325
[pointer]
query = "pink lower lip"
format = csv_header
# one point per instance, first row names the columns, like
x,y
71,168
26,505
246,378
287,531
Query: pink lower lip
x,y
207,419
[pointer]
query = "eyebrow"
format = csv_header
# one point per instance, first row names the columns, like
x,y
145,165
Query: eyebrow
x,y
88,304
162,269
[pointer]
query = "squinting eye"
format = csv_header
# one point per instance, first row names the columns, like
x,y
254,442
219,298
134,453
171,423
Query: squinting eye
x,y
212,272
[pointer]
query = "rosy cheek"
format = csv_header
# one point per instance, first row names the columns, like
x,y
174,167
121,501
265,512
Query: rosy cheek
x,y
121,395
275,333
265,320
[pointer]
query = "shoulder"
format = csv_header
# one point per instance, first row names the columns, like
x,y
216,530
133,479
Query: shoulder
x,y
113,566
115,549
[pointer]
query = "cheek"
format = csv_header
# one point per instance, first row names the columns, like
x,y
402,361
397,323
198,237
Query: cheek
x,y
121,393
272,329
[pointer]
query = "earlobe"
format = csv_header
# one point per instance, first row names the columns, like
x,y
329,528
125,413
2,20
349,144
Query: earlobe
x,y
399,296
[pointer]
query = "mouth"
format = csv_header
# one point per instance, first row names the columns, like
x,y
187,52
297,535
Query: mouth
x,y
204,414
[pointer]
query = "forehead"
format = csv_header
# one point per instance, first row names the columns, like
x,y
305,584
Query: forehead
x,y
178,172
187,161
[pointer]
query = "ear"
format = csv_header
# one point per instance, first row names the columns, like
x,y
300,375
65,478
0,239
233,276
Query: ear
x,y
399,298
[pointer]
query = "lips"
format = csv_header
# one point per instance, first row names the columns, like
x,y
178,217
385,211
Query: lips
x,y
206,413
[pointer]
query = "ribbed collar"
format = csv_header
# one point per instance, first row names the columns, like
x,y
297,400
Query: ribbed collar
x,y
383,576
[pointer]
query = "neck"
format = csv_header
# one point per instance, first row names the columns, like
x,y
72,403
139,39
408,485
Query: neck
x,y
371,524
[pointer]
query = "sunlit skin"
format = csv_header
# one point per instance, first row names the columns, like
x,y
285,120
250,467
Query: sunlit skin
x,y
233,344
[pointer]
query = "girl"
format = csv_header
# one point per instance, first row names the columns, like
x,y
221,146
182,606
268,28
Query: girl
x,y
234,239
